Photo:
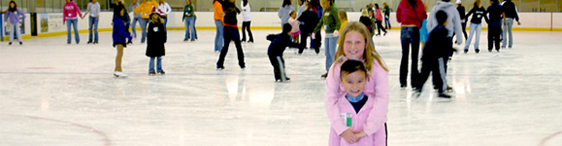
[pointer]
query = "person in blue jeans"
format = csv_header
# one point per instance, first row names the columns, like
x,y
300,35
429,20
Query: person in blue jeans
x,y
510,15
231,34
330,21
71,11
94,11
218,16
136,17
189,20
155,47
475,25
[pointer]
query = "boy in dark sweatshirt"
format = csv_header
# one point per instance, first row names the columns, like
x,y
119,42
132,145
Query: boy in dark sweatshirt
x,y
275,51
434,55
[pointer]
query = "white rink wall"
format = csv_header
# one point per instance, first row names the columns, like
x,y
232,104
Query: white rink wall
x,y
270,20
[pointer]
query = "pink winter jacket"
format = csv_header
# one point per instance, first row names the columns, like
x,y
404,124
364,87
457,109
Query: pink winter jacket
x,y
376,86
406,15
70,10
359,120
378,14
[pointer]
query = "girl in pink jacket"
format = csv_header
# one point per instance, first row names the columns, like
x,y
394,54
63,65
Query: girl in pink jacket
x,y
355,106
357,44
70,12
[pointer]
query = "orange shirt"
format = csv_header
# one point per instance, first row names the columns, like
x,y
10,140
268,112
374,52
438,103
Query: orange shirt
x,y
218,10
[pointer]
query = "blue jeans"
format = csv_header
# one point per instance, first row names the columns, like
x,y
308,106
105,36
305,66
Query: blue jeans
x,y
134,24
158,64
190,27
473,28
331,43
507,31
15,30
93,24
387,22
143,24
165,22
219,38
409,36
74,23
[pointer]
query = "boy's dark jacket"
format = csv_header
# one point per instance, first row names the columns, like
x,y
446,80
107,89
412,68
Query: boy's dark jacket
x,y
156,40
278,44
438,44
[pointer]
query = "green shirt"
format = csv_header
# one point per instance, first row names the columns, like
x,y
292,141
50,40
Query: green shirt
x,y
188,12
386,11
330,19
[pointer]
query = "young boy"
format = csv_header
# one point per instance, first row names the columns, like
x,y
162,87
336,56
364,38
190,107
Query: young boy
x,y
275,52
434,55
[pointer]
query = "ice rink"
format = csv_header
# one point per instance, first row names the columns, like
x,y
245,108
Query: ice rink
x,y
54,94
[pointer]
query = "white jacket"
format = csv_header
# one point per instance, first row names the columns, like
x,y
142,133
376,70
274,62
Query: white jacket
x,y
453,19
164,9
246,12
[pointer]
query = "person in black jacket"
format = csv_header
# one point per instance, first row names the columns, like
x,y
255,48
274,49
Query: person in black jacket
x,y
155,46
231,34
310,19
510,14
475,25
434,55
275,52
366,20
462,10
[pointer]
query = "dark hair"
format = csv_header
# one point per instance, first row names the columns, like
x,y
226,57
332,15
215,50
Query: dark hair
x,y
441,17
287,28
245,2
15,6
351,66
476,4
495,1
446,0
286,3
376,6
412,3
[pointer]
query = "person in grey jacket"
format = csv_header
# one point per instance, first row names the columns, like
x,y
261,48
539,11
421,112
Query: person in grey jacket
x,y
453,19
136,18
284,12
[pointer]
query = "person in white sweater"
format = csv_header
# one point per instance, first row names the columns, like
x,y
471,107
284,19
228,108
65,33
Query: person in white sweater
x,y
163,10
246,21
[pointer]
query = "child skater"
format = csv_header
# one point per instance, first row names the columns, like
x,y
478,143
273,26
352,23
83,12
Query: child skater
x,y
295,24
378,17
434,55
275,52
120,36
331,23
155,45
355,106
357,44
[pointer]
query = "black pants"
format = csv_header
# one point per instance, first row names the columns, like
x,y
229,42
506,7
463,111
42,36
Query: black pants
x,y
379,27
246,27
494,37
464,30
410,36
437,67
278,64
315,44
231,34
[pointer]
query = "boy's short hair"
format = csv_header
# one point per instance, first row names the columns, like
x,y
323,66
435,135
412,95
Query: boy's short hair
x,y
287,28
351,66
441,17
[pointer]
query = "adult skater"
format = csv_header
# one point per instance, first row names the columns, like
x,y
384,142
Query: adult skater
x,y
246,23
510,14
284,12
136,17
71,11
410,14
145,9
218,16
309,19
120,36
189,20
386,11
12,19
164,9
496,14
231,34
462,12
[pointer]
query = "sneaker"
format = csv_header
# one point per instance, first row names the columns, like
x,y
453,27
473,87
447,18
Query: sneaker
x,y
324,75
119,74
152,73
477,50
10,43
465,51
192,40
21,43
97,42
162,72
185,40
444,95
220,67
88,42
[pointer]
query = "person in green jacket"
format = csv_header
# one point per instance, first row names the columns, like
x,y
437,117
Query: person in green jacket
x,y
386,16
189,20
331,23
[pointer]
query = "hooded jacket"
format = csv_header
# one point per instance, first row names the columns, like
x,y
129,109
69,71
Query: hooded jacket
x,y
453,19
284,13
408,15
70,11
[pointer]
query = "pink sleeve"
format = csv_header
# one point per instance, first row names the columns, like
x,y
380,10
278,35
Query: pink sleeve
x,y
64,13
331,99
77,9
399,13
377,116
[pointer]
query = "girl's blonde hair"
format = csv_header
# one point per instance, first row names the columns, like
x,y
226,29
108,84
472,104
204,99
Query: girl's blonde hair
x,y
342,15
369,54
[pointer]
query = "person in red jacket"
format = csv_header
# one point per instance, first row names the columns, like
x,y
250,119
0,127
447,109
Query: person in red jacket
x,y
410,14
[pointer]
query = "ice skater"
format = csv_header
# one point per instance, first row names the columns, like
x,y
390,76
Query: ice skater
x,y
136,17
331,23
378,17
246,23
357,44
295,32
434,55
496,14
475,25
71,11
12,19
279,43
231,34
410,13
94,11
120,37
189,20
510,15
155,48
355,106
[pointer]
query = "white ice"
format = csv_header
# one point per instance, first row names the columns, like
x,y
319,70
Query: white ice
x,y
54,94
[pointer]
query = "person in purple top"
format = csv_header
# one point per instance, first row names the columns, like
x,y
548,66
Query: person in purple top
x,y
12,20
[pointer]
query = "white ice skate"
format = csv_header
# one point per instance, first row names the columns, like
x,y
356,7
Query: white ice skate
x,y
119,74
